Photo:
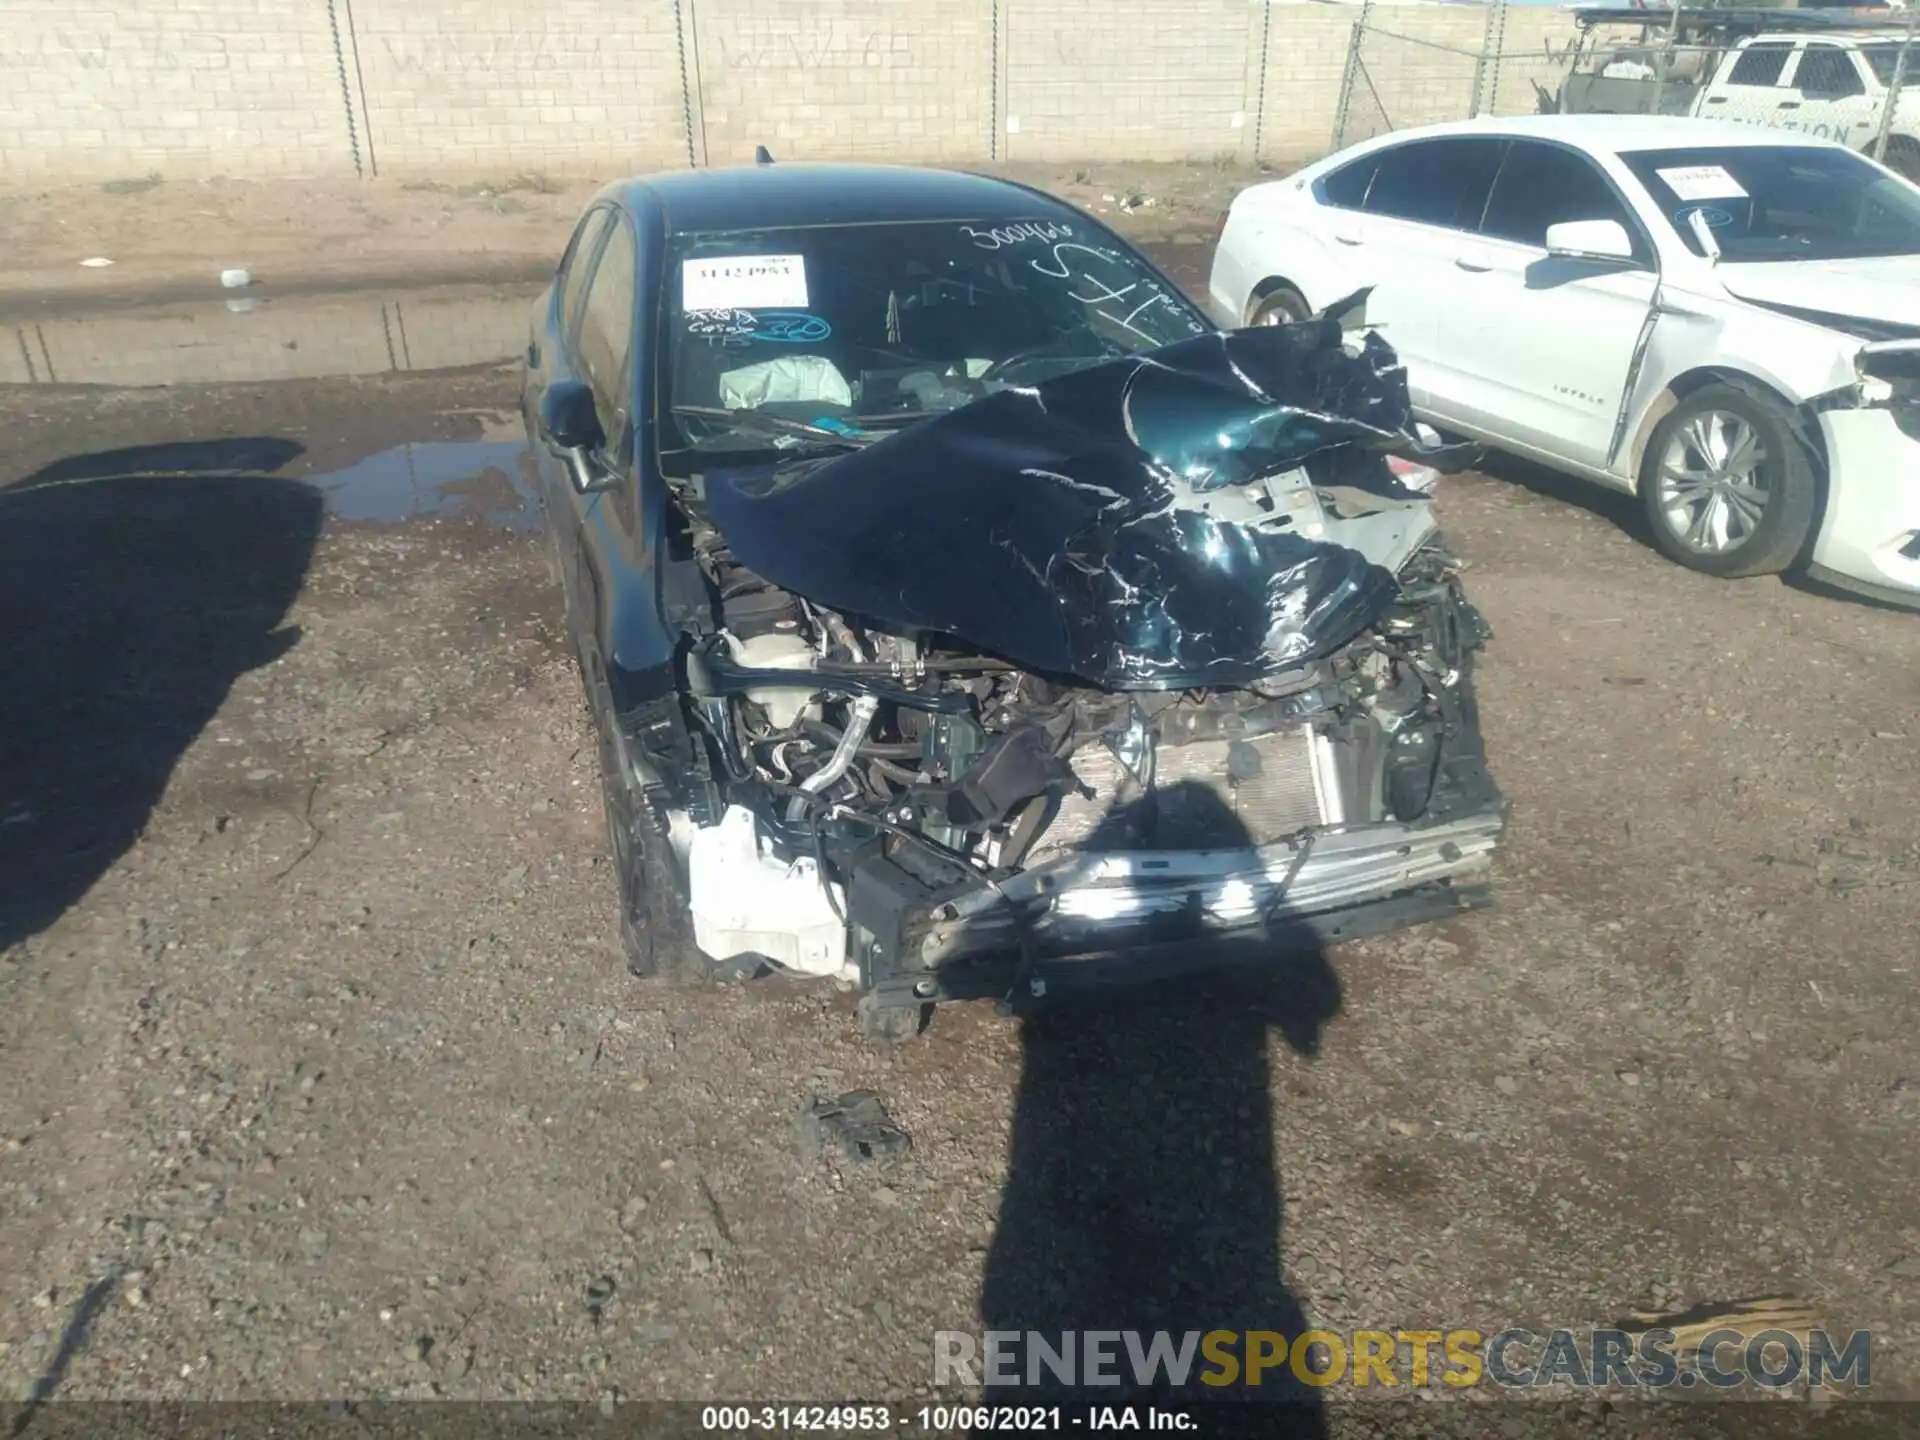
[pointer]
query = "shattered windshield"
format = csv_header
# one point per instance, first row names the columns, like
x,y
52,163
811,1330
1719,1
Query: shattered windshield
x,y
856,328
1782,202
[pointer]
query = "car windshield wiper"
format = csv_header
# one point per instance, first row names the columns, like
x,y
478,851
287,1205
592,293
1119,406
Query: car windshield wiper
x,y
777,425
893,419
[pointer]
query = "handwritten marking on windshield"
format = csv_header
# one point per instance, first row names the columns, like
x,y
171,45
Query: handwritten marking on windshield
x,y
1003,235
720,322
1154,297
1064,272
1061,269
786,327
790,327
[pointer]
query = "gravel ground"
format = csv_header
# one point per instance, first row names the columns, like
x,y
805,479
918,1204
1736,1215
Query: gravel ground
x,y
320,1075
171,238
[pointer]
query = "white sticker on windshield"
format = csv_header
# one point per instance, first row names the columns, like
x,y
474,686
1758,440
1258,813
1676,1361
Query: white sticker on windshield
x,y
744,282
1702,182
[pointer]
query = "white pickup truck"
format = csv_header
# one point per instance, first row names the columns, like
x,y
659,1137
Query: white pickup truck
x,y
1830,84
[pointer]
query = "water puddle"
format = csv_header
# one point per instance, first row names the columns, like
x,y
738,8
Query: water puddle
x,y
482,482
246,339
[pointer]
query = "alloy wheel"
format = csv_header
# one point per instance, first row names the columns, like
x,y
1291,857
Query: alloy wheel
x,y
1713,485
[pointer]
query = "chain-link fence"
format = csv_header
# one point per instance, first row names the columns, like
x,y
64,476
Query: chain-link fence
x,y
1807,71
1395,79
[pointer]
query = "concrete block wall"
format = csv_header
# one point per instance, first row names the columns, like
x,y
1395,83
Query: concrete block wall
x,y
105,89
1535,50
489,86
844,79
1306,60
1157,80
1417,68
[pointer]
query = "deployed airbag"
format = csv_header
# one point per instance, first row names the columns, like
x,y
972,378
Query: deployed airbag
x,y
787,379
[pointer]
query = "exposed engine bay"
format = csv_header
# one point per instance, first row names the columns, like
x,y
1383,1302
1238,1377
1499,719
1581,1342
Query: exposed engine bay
x,y
1210,674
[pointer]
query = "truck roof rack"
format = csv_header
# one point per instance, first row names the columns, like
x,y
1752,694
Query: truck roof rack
x,y
1741,18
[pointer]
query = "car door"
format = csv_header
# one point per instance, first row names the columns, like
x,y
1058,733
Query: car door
x,y
1538,347
1418,198
596,530
1827,95
1753,91
549,361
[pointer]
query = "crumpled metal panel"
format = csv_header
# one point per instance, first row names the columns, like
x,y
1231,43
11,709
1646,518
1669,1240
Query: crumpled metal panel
x,y
1056,526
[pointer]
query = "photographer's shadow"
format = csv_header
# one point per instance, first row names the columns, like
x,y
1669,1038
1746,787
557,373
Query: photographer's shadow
x,y
129,604
1143,1193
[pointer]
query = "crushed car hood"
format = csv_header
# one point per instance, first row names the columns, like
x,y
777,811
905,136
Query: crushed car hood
x,y
1063,527
1886,289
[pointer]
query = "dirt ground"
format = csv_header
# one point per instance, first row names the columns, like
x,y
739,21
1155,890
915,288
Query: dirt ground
x,y
171,238
320,1075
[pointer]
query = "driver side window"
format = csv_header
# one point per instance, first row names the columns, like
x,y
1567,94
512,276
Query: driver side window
x,y
578,264
603,341
1542,185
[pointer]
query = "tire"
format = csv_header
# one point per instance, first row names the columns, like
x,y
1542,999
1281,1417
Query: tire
x,y
1283,305
1903,157
656,931
1750,517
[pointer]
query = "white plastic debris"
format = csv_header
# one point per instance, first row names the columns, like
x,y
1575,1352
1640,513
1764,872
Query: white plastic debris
x,y
1411,473
236,279
96,262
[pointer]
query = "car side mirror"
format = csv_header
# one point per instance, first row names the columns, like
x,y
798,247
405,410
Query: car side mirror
x,y
1590,240
571,423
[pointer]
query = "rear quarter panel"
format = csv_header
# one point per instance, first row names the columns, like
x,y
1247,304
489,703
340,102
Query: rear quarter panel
x,y
1272,233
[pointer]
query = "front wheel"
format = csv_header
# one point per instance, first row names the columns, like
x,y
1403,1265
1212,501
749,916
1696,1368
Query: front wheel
x,y
1728,484
656,931
1282,305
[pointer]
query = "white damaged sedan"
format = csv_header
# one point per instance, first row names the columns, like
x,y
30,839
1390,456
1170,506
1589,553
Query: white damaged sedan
x,y
1722,319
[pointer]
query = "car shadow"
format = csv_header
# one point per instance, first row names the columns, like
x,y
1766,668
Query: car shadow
x,y
128,606
1616,507
1827,590
236,454
1625,513
1143,1192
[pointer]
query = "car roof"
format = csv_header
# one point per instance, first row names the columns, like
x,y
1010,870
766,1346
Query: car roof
x,y
789,195
1612,134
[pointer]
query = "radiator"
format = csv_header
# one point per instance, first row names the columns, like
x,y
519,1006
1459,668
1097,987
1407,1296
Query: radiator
x,y
1196,802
